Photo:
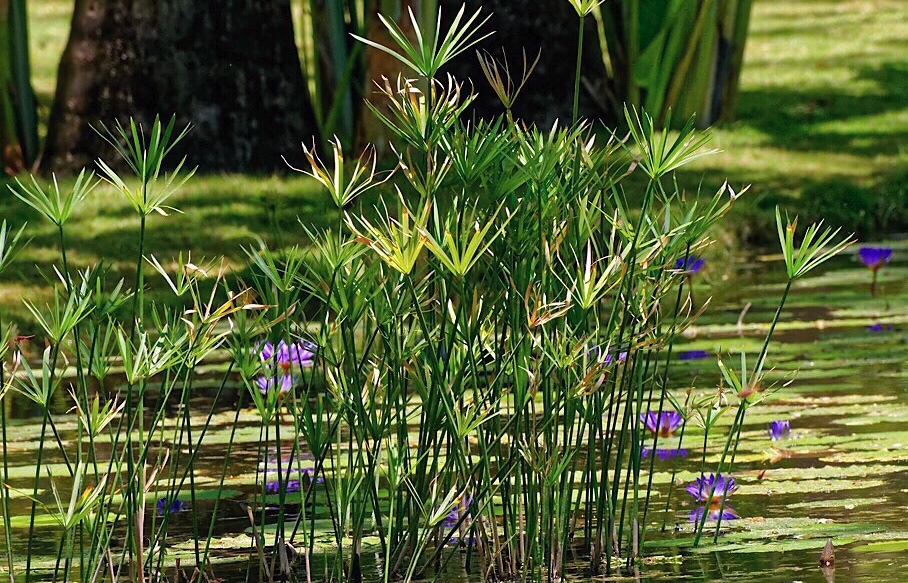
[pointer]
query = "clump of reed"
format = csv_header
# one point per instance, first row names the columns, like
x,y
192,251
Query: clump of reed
x,y
468,367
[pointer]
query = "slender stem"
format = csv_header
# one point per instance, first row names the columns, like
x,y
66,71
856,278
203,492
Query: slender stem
x,y
663,391
4,488
576,109
772,327
132,491
217,502
193,451
138,303
739,418
31,522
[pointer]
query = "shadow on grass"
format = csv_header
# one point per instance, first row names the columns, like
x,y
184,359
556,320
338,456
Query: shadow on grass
x,y
790,116
859,129
221,217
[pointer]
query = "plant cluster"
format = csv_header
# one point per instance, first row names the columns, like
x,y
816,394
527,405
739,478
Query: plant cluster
x,y
476,366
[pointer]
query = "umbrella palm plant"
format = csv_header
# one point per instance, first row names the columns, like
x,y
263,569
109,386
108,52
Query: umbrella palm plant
x,y
469,370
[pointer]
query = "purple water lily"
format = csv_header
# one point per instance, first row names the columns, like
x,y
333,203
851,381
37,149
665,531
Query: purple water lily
x,y
713,492
690,264
664,453
165,506
664,423
283,384
693,355
875,257
728,513
296,354
462,507
290,486
779,430
880,327
596,352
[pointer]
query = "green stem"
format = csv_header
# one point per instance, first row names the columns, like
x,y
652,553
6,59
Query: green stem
x,y
576,110
217,502
4,489
31,522
664,390
739,418
138,307
772,328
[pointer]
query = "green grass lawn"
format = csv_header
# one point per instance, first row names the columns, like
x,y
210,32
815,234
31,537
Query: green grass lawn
x,y
822,128
220,216
823,113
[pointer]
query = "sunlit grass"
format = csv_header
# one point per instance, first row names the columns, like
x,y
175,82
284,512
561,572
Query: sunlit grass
x,y
222,213
822,112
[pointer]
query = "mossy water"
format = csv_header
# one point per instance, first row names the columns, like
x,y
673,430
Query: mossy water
x,y
841,473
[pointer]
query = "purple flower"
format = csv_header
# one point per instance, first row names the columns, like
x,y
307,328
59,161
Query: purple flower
x,y
880,327
292,485
709,488
779,430
713,492
690,264
664,453
693,355
875,257
284,383
728,513
596,352
165,506
289,487
462,507
664,423
288,355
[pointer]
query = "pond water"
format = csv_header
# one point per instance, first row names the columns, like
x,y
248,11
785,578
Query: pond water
x,y
839,363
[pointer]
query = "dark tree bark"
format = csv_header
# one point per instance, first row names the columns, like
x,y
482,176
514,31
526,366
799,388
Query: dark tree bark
x,y
229,67
549,25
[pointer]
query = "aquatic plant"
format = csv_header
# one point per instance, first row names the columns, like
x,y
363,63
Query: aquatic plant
x,y
879,327
290,486
282,383
664,453
779,430
690,264
713,492
663,423
167,506
875,258
693,355
11,244
455,392
459,513
818,245
286,356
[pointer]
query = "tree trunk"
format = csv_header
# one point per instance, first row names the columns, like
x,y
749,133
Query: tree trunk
x,y
229,67
10,148
547,25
